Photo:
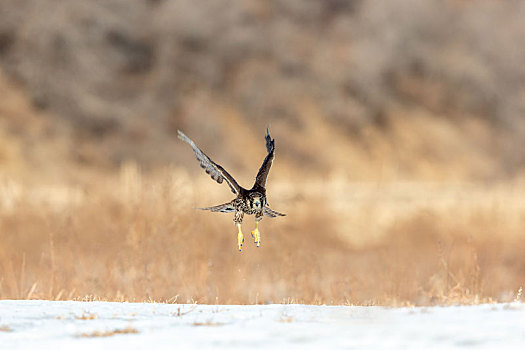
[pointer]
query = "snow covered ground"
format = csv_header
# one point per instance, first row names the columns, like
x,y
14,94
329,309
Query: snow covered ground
x,y
101,325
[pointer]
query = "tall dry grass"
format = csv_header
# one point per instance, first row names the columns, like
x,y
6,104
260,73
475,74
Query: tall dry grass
x,y
135,237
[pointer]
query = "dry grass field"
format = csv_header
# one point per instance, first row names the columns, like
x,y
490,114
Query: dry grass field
x,y
134,237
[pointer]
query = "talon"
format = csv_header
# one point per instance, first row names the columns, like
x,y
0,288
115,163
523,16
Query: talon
x,y
256,235
240,237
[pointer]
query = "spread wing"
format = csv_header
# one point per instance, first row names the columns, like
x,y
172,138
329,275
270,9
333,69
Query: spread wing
x,y
216,171
262,175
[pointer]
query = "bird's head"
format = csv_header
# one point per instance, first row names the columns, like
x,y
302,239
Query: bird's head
x,y
256,201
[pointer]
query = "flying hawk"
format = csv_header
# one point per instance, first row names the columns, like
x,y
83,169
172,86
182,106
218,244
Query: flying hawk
x,y
251,202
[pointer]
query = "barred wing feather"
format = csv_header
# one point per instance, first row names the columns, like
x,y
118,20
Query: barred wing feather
x,y
262,175
213,169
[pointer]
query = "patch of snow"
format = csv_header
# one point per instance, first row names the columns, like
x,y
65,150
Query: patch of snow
x,y
35,324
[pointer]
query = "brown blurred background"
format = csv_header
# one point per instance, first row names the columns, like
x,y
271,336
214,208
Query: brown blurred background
x,y
400,136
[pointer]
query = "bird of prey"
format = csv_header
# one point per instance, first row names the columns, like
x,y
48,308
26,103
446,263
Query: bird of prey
x,y
251,202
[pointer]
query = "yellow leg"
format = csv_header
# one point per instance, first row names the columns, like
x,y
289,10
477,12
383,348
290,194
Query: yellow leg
x,y
256,234
240,237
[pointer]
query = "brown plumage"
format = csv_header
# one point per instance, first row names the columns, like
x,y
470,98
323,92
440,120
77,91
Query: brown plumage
x,y
252,201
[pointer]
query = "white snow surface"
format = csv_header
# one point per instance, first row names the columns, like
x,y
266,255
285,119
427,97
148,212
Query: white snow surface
x,y
36,324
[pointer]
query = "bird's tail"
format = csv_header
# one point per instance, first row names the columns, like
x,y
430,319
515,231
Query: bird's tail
x,y
221,208
272,213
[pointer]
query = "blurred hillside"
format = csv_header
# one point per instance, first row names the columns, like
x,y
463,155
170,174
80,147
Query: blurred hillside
x,y
369,90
